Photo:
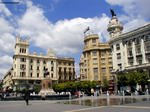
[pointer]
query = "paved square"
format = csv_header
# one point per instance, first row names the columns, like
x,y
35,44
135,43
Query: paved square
x,y
53,106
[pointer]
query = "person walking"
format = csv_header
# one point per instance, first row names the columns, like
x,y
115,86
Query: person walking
x,y
27,96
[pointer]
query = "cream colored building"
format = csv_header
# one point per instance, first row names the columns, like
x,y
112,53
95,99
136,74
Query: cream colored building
x,y
30,68
96,60
130,50
66,69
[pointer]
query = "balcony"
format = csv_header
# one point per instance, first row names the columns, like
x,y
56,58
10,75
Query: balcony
x,y
130,56
147,51
138,53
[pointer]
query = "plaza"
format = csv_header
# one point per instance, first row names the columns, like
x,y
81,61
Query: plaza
x,y
59,106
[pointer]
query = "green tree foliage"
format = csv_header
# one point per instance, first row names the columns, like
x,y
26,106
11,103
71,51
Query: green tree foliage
x,y
121,78
74,86
1,86
105,85
37,88
132,78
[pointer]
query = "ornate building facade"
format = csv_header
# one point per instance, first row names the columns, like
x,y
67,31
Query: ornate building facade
x,y
30,68
130,50
96,60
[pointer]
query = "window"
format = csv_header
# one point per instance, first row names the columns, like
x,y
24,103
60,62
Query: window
x,y
104,77
94,53
110,69
137,40
103,70
95,70
44,68
22,59
147,37
102,53
131,62
38,61
110,63
118,56
148,48
59,69
120,66
102,60
130,53
129,43
22,50
31,75
44,62
65,77
140,62
31,67
138,50
118,47
93,40
37,67
31,60
22,66
51,75
69,77
37,74
52,68
103,63
22,74
94,60
52,62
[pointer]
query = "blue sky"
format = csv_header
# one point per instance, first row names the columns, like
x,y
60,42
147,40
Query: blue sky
x,y
59,24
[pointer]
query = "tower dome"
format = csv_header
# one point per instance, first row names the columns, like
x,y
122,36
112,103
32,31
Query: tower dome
x,y
114,27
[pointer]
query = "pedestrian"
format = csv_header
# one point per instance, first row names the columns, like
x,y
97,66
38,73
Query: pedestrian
x,y
27,96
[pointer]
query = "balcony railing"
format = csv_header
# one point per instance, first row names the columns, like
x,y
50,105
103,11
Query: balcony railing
x,y
138,53
147,51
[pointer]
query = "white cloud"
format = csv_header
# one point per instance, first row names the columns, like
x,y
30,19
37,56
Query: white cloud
x,y
65,36
5,64
4,11
134,8
6,60
136,13
7,40
5,25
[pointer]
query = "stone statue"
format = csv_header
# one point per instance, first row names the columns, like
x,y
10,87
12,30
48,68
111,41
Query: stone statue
x,y
112,12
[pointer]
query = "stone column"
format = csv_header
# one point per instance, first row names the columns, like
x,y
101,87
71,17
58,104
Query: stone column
x,y
114,58
41,69
27,67
143,51
122,56
126,55
34,68
134,53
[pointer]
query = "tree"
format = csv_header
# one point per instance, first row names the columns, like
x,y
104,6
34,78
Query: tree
x,y
105,85
132,78
1,86
37,88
